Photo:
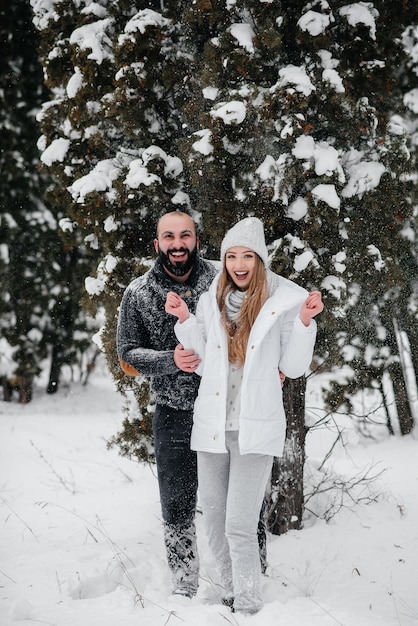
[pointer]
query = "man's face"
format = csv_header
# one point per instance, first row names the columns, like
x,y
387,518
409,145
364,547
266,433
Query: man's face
x,y
176,244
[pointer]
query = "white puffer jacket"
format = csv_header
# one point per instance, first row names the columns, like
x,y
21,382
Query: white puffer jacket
x,y
278,340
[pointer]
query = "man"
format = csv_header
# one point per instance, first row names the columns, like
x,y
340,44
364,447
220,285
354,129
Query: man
x,y
146,342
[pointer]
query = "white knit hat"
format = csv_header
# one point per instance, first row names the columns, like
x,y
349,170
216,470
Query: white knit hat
x,y
249,233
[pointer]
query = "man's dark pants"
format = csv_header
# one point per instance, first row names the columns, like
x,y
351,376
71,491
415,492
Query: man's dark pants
x,y
177,478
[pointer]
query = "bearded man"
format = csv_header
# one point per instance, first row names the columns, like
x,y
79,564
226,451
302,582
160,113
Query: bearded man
x,y
146,343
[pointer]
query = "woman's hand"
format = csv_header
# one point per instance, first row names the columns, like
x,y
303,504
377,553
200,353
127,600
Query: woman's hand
x,y
312,306
176,306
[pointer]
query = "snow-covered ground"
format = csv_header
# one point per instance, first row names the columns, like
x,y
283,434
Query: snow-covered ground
x,y
82,543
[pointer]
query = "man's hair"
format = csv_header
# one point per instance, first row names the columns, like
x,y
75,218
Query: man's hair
x,y
255,296
180,213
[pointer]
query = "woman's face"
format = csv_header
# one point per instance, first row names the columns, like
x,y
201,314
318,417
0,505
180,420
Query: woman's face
x,y
240,264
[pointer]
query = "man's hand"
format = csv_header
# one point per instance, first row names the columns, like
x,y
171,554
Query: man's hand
x,y
312,306
176,306
186,360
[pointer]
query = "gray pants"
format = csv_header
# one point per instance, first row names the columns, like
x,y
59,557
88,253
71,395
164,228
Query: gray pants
x,y
232,488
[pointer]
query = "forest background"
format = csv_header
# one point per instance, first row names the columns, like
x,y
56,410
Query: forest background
x,y
303,114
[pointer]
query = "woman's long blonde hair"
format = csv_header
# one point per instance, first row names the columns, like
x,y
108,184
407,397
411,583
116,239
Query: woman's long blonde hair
x,y
256,294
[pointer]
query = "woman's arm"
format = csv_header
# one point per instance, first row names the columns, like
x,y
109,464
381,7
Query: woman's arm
x,y
299,335
191,332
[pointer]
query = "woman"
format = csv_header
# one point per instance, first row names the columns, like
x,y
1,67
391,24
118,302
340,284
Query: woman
x,y
250,325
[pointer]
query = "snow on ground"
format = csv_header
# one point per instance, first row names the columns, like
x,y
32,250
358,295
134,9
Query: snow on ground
x,y
82,545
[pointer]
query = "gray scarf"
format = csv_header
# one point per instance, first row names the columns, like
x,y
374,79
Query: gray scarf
x,y
233,304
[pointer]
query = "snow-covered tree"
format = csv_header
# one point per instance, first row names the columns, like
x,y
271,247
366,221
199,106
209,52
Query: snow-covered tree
x,y
282,110
24,220
41,316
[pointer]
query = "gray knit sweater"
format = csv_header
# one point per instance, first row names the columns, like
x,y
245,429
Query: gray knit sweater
x,y
145,335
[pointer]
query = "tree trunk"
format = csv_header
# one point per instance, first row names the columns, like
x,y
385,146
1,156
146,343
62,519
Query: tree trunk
x,y
397,375
55,370
385,405
408,325
403,408
413,344
286,501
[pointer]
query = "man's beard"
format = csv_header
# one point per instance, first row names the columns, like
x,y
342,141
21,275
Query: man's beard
x,y
182,267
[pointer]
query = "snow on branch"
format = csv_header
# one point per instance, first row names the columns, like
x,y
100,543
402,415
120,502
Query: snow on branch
x,y
140,22
100,178
94,37
364,176
361,13
244,34
296,76
233,112
315,23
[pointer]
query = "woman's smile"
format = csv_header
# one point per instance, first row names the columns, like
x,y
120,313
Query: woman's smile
x,y
240,265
